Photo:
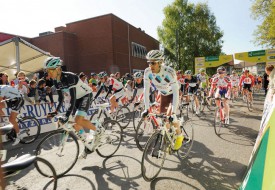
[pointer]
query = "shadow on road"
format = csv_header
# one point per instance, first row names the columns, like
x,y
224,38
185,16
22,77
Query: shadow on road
x,y
210,171
170,183
121,170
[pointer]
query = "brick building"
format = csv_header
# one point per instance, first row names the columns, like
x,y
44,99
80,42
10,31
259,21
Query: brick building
x,y
103,43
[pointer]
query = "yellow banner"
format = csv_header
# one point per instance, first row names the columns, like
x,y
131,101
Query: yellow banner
x,y
259,56
211,61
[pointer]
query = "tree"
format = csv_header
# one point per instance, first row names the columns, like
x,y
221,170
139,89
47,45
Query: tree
x,y
189,31
264,10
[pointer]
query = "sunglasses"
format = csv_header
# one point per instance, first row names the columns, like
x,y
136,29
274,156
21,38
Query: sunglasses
x,y
221,72
152,62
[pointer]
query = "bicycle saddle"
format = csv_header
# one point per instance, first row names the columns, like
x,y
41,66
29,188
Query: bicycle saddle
x,y
6,129
19,163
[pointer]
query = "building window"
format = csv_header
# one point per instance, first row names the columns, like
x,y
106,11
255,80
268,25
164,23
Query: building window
x,y
138,50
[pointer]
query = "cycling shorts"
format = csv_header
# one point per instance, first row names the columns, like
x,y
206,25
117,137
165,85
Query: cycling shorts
x,y
82,105
247,86
15,104
222,93
165,102
192,90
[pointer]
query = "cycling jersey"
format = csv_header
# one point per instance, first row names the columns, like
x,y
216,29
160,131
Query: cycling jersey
x,y
9,92
246,80
16,98
223,86
235,80
203,80
165,82
70,82
193,82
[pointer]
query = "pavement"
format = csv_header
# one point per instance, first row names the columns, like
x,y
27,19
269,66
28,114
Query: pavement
x,y
215,162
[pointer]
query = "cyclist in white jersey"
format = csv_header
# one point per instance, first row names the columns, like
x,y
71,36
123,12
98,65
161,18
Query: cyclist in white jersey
x,y
15,101
165,80
113,85
235,79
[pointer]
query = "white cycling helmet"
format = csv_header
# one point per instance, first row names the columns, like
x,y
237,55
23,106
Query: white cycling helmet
x,y
52,63
154,55
188,72
138,75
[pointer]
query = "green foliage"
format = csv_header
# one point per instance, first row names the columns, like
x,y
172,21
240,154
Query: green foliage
x,y
189,31
264,10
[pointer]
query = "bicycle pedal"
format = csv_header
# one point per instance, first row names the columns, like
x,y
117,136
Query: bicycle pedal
x,y
87,151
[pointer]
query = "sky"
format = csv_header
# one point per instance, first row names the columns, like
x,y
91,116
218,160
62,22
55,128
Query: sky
x,y
30,17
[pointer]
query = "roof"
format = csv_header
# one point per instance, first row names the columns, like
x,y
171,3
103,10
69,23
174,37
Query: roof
x,y
31,58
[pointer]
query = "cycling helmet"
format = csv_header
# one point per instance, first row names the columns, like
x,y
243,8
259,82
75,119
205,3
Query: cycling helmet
x,y
138,75
188,72
52,63
93,74
101,74
155,55
202,70
221,69
233,72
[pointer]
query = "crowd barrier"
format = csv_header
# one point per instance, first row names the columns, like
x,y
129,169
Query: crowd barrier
x,y
261,169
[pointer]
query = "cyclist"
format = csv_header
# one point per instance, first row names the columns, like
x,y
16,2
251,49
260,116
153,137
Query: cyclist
x,y
165,80
223,87
115,86
80,93
15,101
235,79
138,86
193,85
203,81
180,78
247,81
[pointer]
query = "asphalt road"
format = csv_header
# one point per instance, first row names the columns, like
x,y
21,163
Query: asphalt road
x,y
215,162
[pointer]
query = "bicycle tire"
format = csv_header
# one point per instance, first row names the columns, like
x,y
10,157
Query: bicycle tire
x,y
155,140
217,122
100,116
187,144
50,166
44,150
144,132
137,118
116,133
123,116
29,138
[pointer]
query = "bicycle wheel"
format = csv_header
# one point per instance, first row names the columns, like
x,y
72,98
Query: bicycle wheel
x,y
137,117
100,116
110,140
61,149
249,104
51,173
201,101
187,143
153,157
29,129
218,123
123,116
145,129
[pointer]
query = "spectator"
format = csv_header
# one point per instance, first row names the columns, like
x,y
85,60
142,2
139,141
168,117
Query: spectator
x,y
4,79
32,88
23,89
269,78
22,76
42,92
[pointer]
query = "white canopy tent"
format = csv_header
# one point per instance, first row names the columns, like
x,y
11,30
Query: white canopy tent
x,y
17,54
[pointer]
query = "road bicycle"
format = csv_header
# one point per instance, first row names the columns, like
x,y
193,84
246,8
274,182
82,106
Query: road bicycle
x,y
219,118
29,128
16,166
161,143
235,94
122,114
61,147
247,99
202,98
